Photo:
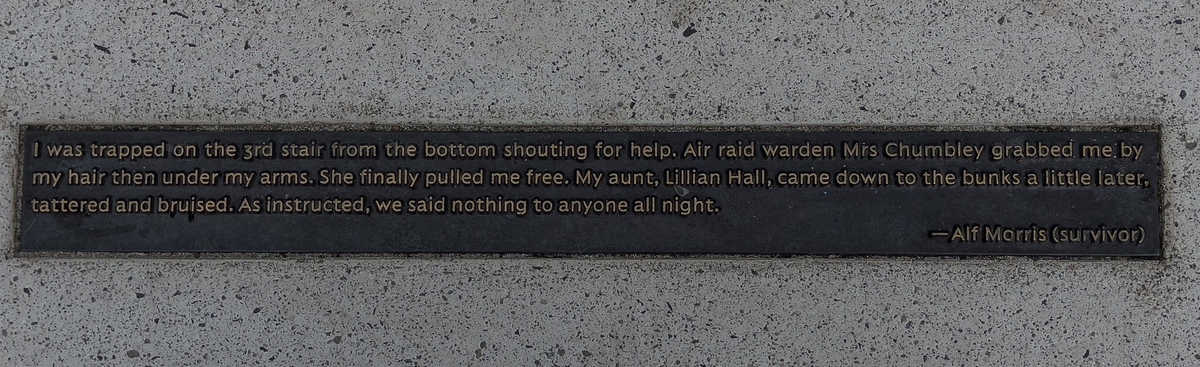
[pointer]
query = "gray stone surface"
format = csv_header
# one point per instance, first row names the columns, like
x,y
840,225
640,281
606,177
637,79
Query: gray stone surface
x,y
980,63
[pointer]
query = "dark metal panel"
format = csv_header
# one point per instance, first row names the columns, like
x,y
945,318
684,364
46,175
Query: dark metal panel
x,y
1024,209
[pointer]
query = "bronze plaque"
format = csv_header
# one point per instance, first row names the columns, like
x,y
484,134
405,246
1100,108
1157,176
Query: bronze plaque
x,y
764,192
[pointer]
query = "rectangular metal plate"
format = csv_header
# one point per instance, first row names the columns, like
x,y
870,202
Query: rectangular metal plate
x,y
907,193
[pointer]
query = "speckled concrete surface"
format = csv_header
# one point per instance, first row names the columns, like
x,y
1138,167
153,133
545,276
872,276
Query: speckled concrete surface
x,y
606,63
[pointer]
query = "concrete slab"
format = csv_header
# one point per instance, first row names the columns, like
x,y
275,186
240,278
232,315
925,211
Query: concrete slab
x,y
606,63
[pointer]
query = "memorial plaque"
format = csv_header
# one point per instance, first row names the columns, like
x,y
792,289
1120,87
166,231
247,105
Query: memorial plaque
x,y
707,192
